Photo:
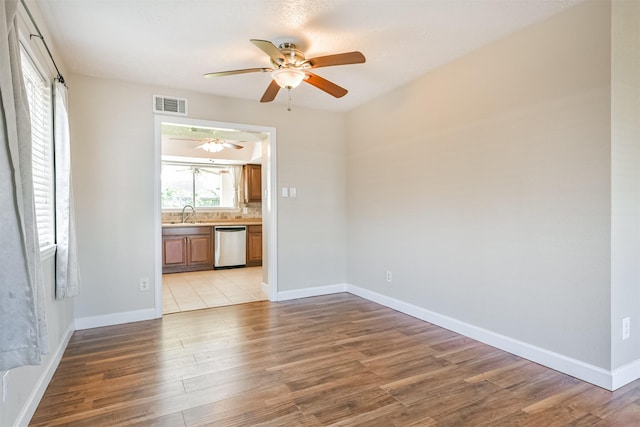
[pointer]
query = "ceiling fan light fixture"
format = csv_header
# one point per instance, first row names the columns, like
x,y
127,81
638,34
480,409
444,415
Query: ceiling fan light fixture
x,y
212,147
288,78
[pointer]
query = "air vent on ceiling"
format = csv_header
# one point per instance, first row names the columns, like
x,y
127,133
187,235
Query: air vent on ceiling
x,y
171,105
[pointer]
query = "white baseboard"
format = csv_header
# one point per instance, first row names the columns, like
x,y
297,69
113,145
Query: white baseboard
x,y
115,318
265,288
32,402
625,374
610,380
576,368
311,292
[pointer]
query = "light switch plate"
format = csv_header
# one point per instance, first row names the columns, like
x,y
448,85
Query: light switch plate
x,y
293,192
285,191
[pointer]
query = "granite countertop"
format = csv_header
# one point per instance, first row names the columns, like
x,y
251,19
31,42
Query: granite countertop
x,y
209,223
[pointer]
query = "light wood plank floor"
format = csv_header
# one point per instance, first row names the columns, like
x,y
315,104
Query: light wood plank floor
x,y
331,360
211,288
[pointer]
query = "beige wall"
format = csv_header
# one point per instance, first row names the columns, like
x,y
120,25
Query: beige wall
x,y
484,186
113,151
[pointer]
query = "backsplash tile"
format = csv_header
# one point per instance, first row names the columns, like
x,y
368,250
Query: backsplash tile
x,y
254,210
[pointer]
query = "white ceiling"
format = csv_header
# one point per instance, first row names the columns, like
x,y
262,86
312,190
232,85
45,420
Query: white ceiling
x,y
174,42
182,142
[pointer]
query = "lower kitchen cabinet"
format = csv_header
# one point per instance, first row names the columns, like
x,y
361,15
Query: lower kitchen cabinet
x,y
254,245
187,249
174,252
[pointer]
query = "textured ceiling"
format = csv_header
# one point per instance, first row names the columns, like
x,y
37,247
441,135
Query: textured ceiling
x,y
174,42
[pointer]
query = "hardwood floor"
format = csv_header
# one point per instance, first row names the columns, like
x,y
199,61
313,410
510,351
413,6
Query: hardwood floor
x,y
331,360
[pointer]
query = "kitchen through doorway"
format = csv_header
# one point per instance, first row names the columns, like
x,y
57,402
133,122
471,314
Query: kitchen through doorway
x,y
220,162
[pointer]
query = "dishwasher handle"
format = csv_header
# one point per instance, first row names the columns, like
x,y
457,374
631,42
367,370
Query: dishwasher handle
x,y
229,229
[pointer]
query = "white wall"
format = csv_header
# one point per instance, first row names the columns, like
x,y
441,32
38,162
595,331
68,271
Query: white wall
x,y
625,180
485,187
113,141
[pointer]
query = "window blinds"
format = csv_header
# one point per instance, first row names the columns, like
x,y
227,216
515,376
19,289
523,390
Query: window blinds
x,y
39,97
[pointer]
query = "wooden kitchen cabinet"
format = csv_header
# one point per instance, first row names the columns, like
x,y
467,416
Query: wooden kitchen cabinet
x,y
254,245
187,249
199,250
252,177
174,252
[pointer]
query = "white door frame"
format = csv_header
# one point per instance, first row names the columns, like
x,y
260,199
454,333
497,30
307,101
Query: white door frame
x,y
269,199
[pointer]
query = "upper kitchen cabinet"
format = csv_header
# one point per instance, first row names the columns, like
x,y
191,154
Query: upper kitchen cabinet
x,y
252,175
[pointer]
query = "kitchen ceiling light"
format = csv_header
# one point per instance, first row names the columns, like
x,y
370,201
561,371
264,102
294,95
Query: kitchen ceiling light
x,y
288,78
212,147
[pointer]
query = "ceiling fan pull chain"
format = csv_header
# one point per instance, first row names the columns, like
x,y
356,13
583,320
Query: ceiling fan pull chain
x,y
289,104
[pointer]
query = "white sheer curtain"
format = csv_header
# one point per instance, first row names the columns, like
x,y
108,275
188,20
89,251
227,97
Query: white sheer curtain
x,y
67,273
236,174
23,333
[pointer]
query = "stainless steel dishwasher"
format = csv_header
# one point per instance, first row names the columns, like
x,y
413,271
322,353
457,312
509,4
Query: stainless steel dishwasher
x,y
230,244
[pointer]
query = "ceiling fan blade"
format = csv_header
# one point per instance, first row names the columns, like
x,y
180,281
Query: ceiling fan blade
x,y
229,73
325,85
337,59
227,144
271,92
270,49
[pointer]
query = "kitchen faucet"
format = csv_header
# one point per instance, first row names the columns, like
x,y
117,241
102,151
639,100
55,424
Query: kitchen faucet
x,y
187,206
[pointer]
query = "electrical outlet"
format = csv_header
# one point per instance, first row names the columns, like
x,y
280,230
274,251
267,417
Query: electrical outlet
x,y
144,284
626,328
389,277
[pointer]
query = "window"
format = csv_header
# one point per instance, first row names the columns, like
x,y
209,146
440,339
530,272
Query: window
x,y
39,98
200,186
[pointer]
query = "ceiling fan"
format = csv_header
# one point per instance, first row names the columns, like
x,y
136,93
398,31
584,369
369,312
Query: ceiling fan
x,y
290,68
213,145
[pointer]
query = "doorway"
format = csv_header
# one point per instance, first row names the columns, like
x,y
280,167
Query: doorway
x,y
267,273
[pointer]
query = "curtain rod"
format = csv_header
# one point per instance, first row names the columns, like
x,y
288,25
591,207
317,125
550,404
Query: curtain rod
x,y
41,37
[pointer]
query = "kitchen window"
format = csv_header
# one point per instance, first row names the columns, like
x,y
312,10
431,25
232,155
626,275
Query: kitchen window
x,y
201,186
39,99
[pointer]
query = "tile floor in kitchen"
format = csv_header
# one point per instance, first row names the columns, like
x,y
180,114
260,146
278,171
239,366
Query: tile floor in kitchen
x,y
211,288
